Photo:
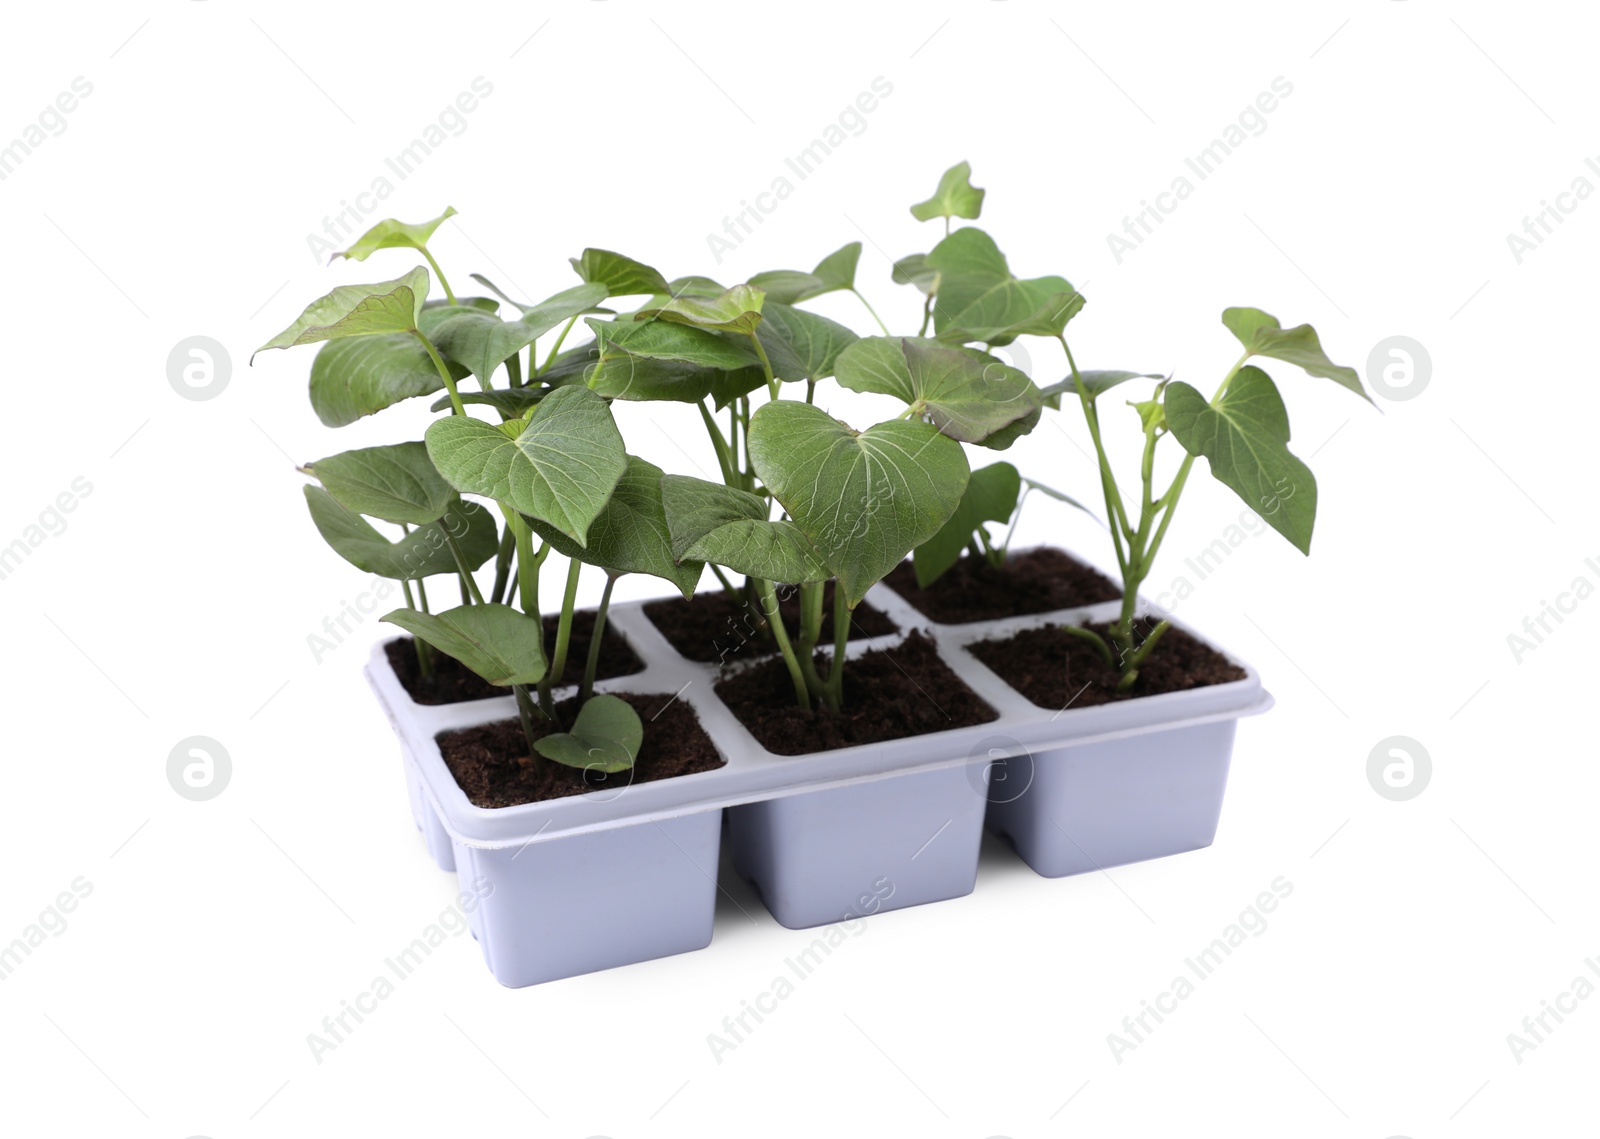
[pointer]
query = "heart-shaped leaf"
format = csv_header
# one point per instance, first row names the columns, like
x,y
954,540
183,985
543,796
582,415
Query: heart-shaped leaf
x,y
396,483
695,507
735,310
423,552
358,310
771,551
834,272
1245,436
956,196
915,270
393,234
364,374
979,298
512,403
991,496
691,287
503,645
668,340
624,376
605,737
864,499
801,345
480,341
559,465
966,394
622,276
1094,382
710,522
1262,335
630,534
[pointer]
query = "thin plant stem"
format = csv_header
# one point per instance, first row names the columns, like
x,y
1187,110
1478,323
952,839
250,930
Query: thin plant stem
x,y
424,650
558,663
554,348
720,444
872,310
841,638
444,373
766,366
592,665
728,586
769,605
525,715
467,581
502,564
438,272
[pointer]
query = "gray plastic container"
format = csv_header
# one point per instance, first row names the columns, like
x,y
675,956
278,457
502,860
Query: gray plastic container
x,y
1123,782
629,874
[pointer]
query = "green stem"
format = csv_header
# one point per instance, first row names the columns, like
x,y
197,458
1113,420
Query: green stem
x,y
444,373
424,650
528,566
811,390
927,315
1132,661
766,366
727,586
769,605
438,272
841,638
467,580
558,664
870,309
1106,652
593,663
513,371
422,596
525,715
811,597
502,565
556,347
720,444
745,468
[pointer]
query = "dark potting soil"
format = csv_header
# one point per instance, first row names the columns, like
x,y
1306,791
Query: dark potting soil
x,y
453,682
711,628
1032,581
1053,668
889,694
491,763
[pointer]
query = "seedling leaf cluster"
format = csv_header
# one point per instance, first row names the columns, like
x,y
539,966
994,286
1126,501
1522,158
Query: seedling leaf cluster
x,y
526,457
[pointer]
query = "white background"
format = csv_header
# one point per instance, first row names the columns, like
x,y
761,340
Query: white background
x,y
179,599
